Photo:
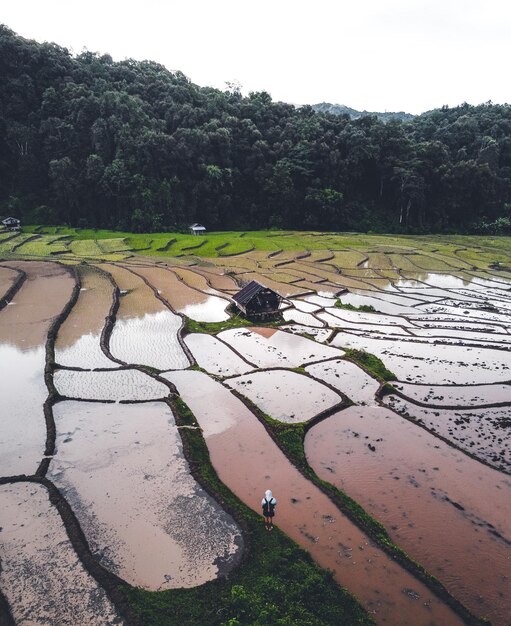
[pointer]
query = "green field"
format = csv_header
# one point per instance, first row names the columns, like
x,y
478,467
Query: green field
x,y
438,252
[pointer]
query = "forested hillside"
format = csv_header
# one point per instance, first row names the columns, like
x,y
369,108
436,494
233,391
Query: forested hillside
x,y
91,142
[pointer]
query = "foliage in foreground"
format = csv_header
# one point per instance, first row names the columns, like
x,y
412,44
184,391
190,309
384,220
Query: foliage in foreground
x,y
277,583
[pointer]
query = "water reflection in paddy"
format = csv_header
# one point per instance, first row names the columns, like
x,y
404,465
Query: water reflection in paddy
x,y
215,357
440,507
78,339
23,392
274,348
248,462
452,395
286,396
435,364
118,385
292,315
348,378
41,575
190,302
485,433
149,340
122,469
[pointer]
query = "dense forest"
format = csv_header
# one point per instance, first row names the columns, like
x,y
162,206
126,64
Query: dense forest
x,y
90,142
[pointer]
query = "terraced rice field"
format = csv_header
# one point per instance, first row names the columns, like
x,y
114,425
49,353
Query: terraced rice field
x,y
97,490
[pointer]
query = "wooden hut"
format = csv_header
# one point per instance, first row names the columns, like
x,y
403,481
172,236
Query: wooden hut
x,y
197,229
11,223
256,301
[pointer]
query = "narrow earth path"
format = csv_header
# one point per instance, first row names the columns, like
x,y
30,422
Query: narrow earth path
x,y
248,462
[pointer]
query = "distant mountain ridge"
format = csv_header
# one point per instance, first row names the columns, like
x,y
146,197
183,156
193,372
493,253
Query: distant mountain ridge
x,y
342,109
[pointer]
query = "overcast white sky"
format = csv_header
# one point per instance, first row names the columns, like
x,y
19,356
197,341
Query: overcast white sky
x,y
411,55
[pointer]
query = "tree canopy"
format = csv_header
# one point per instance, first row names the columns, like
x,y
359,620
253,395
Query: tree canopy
x,y
90,142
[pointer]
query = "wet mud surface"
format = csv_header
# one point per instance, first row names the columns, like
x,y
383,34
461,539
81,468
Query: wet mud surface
x,y
215,356
8,278
122,469
445,332
484,433
275,348
183,299
78,339
41,575
347,378
122,385
248,461
448,512
285,396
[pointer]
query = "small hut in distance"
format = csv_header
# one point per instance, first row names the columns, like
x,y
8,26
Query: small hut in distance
x,y
197,229
256,301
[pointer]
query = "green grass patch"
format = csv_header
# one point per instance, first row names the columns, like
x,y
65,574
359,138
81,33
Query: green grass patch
x,y
277,582
364,308
370,363
212,328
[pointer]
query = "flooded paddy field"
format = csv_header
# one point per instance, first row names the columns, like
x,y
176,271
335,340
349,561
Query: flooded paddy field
x,y
78,340
145,330
116,386
248,461
348,378
24,324
183,299
8,278
445,331
41,576
215,356
122,469
485,433
448,512
285,396
267,347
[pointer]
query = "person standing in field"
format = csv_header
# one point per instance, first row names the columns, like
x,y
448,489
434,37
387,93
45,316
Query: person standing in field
x,y
268,503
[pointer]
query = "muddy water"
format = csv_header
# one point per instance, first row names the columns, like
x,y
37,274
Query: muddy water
x,y
274,348
25,321
78,339
183,299
286,396
145,331
41,575
23,328
283,288
348,378
122,469
117,385
248,462
23,392
441,507
137,299
434,364
7,279
218,279
452,395
215,357
486,433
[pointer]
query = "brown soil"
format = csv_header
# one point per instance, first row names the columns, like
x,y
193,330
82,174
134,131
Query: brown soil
x,y
249,462
448,512
25,321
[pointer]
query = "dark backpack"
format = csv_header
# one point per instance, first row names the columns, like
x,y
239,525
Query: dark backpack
x,y
268,507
